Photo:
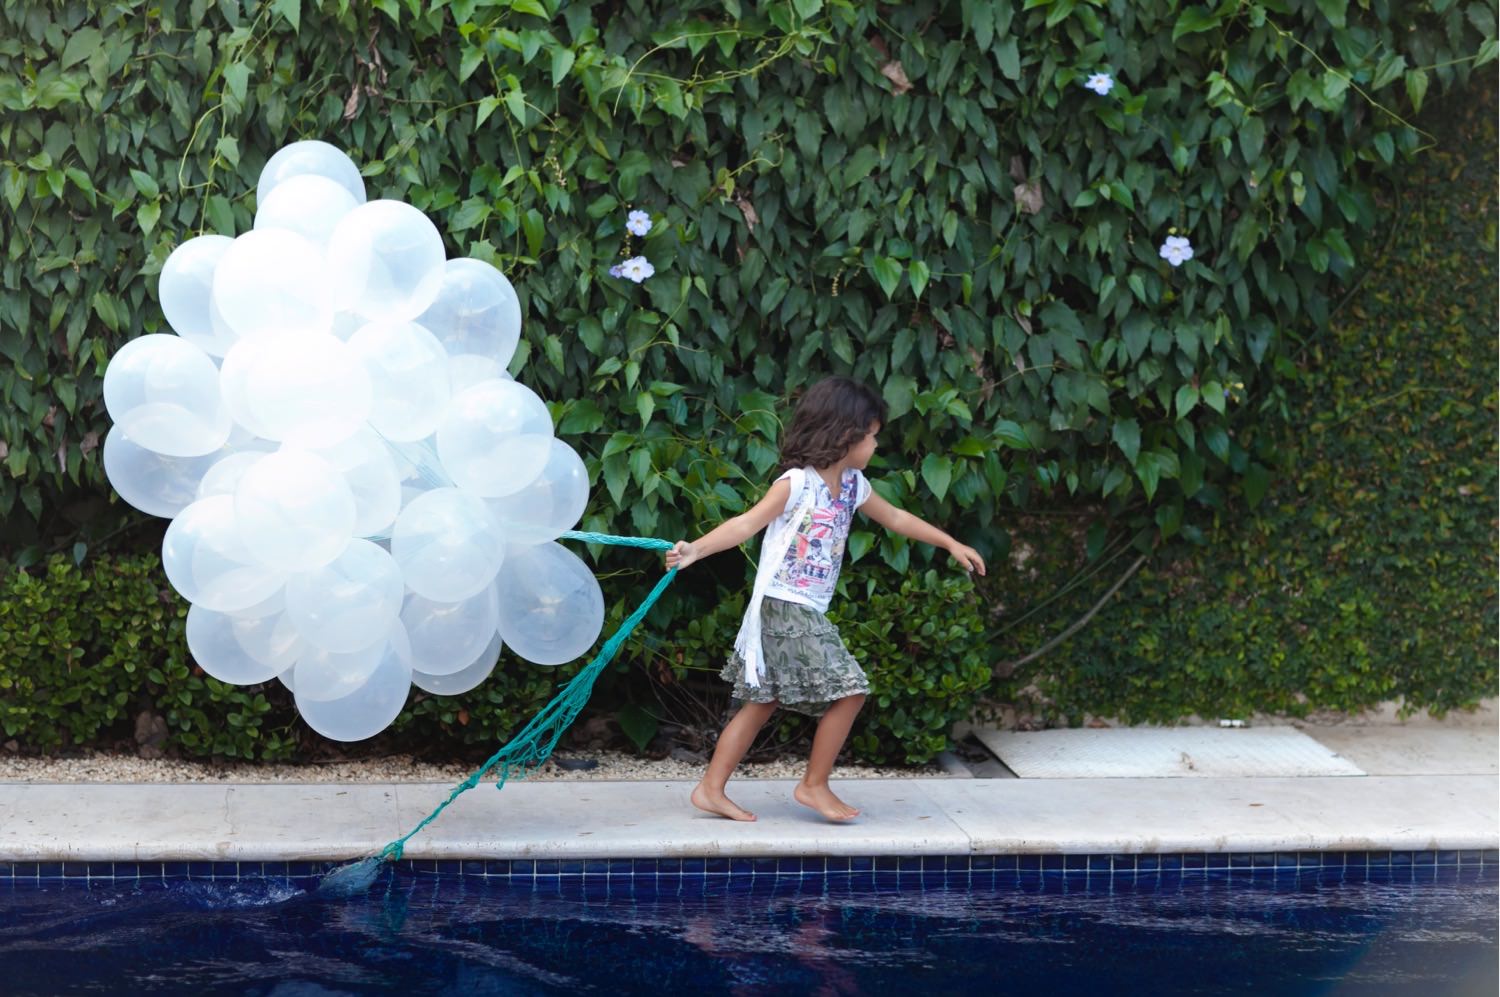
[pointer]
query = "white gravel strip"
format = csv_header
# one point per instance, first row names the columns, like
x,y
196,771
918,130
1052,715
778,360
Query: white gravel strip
x,y
611,767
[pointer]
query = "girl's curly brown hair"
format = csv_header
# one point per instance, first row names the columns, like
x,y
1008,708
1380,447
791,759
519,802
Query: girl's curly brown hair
x,y
831,417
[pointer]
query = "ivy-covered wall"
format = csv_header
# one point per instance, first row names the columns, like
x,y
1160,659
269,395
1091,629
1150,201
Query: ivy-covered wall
x,y
927,196
1369,572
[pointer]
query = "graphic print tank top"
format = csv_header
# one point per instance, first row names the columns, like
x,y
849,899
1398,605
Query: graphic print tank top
x,y
810,570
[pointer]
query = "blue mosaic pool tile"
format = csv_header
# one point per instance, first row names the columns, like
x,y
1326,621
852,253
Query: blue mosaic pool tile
x,y
714,872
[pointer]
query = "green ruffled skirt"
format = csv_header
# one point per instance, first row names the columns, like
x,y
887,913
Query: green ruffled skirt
x,y
807,665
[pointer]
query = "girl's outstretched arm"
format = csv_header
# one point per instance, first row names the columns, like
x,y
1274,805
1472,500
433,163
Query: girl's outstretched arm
x,y
733,532
902,522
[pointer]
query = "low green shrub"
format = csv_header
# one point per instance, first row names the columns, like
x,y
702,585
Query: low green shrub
x,y
83,650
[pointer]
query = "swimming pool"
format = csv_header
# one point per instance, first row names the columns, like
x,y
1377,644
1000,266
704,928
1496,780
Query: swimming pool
x,y
1355,923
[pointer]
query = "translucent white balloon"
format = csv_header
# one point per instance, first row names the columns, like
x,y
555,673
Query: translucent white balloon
x,y
224,477
210,638
324,675
549,506
466,678
369,467
273,282
241,650
163,392
408,373
495,438
468,369
310,157
476,311
446,636
208,564
311,391
348,603
186,292
156,485
551,608
447,545
369,708
295,511
386,259
309,205
234,383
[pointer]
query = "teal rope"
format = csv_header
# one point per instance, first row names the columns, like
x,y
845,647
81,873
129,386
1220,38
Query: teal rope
x,y
527,751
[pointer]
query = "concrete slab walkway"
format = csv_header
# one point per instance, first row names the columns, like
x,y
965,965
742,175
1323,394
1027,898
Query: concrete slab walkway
x,y
280,822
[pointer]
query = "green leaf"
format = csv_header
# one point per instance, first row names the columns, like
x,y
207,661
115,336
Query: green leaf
x,y
1012,435
636,724
145,183
1218,441
1187,398
562,61
860,166
1194,20
1008,57
237,77
1334,10
487,107
937,472
1256,481
918,274
147,215
1416,87
535,229
1252,137
292,11
645,404
83,43
1390,68
515,103
469,61
888,274
1126,434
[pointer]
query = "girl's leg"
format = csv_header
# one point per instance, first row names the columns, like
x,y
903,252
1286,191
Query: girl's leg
x,y
733,742
833,730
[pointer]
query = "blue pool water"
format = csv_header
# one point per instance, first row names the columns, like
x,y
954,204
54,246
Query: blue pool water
x,y
1326,930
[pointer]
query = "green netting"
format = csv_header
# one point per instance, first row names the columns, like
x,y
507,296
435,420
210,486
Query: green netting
x,y
526,751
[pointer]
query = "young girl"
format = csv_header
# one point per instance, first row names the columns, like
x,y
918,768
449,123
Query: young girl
x,y
787,653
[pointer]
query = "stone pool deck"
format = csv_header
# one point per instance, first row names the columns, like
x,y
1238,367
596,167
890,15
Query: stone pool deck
x,y
1419,793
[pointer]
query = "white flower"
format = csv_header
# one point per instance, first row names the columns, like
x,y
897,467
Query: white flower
x,y
638,223
1100,83
1176,250
637,268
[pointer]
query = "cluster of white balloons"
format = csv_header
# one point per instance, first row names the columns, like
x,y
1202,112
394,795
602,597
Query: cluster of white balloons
x,y
362,499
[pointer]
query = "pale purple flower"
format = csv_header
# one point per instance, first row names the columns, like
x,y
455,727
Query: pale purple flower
x,y
1100,83
1176,250
616,271
638,223
637,268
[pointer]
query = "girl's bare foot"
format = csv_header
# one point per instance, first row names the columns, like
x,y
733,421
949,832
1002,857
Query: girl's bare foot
x,y
718,803
821,799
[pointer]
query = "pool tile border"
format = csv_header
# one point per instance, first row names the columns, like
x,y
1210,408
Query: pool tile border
x,y
1486,862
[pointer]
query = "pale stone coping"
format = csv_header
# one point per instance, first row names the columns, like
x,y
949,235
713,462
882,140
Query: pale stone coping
x,y
296,822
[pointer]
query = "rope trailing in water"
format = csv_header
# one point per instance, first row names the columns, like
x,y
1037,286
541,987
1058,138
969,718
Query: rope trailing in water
x,y
528,750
